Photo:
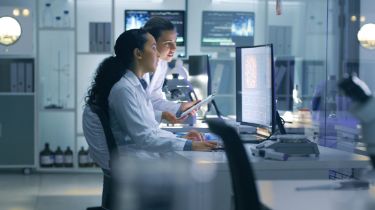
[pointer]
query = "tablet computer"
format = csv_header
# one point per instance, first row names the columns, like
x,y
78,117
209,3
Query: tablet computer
x,y
198,105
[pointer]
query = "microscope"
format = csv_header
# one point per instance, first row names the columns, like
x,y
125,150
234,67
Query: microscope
x,y
178,88
363,108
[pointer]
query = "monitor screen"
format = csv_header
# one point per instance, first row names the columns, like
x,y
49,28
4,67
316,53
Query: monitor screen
x,y
227,29
138,18
255,97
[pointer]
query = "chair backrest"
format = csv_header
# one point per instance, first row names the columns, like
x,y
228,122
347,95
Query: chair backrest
x,y
108,186
104,120
243,181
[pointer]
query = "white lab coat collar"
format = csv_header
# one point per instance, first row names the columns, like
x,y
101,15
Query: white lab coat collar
x,y
133,79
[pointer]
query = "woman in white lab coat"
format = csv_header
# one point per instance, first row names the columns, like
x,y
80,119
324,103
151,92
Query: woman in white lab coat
x,y
118,87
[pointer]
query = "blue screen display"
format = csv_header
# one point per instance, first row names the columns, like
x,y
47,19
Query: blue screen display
x,y
221,28
138,18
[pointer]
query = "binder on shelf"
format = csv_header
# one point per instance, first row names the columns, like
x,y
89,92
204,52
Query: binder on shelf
x,y
107,37
13,78
92,37
21,77
100,37
29,77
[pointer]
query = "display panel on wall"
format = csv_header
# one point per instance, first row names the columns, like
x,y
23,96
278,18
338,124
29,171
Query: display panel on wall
x,y
224,28
138,18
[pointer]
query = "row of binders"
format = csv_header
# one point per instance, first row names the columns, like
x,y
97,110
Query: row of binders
x,y
21,77
100,37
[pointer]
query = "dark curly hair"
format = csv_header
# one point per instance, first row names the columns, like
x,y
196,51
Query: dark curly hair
x,y
111,69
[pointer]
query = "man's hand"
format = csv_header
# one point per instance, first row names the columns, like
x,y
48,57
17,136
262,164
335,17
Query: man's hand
x,y
194,136
203,145
171,118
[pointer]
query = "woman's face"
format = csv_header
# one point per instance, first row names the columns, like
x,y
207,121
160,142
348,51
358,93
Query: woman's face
x,y
166,45
150,55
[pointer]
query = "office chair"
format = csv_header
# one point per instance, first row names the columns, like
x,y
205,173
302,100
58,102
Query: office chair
x,y
243,180
107,193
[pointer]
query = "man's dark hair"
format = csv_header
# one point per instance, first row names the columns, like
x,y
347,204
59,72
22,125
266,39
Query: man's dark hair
x,y
156,25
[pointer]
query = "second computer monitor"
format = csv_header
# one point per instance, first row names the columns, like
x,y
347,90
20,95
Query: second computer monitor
x,y
227,29
255,97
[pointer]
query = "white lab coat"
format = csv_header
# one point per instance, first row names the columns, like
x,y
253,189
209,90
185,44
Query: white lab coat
x,y
98,149
154,89
132,118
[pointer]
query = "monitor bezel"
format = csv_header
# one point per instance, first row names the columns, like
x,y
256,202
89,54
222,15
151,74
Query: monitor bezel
x,y
272,127
215,47
156,10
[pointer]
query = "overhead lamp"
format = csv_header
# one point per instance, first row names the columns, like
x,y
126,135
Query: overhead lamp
x,y
25,12
366,36
362,19
16,12
10,30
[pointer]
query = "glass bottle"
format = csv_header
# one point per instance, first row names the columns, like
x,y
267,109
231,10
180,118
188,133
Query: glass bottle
x,y
82,158
68,157
59,157
57,23
66,19
46,157
47,15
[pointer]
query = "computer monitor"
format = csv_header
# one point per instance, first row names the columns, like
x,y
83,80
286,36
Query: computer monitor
x,y
255,88
138,18
227,29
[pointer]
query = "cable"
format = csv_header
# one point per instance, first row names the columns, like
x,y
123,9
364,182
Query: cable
x,y
218,113
260,140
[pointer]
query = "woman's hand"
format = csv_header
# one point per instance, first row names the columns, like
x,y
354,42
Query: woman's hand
x,y
171,118
203,145
186,105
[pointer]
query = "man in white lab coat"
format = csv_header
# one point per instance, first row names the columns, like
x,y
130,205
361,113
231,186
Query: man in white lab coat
x,y
165,35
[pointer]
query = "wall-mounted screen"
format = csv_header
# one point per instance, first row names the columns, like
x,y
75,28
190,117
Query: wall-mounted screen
x,y
224,29
138,18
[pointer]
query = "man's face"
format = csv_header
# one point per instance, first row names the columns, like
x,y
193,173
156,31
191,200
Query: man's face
x,y
166,45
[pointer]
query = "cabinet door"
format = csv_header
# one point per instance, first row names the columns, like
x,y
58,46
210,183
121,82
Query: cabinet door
x,y
17,130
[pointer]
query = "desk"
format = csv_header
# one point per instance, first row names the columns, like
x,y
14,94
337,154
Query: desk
x,y
281,195
294,168
199,126
203,127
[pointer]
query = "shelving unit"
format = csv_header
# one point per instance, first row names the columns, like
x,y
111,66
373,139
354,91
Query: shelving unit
x,y
17,93
66,52
56,58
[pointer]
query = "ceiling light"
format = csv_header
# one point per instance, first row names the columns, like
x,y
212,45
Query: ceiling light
x,y
25,12
16,12
366,36
10,30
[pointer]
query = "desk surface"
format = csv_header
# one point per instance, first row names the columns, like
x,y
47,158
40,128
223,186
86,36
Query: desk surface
x,y
281,195
328,159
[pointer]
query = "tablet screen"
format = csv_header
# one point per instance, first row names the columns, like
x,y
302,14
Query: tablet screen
x,y
198,105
